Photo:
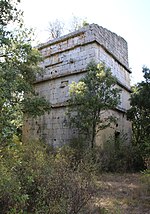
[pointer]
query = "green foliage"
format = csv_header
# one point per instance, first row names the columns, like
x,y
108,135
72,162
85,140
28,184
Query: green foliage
x,y
114,156
18,70
79,147
118,156
37,179
90,98
139,113
8,11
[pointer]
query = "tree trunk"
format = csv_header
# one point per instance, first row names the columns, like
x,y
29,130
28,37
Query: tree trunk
x,y
93,135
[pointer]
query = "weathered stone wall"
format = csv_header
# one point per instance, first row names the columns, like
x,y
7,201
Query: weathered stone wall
x,y
65,60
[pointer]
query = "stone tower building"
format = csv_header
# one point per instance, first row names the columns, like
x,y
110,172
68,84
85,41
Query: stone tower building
x,y
65,60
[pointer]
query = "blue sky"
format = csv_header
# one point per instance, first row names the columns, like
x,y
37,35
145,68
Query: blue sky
x,y
127,18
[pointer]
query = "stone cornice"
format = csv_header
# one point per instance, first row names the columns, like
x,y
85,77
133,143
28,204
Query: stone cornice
x,y
92,33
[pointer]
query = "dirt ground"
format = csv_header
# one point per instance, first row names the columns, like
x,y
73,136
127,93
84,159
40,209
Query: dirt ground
x,y
122,194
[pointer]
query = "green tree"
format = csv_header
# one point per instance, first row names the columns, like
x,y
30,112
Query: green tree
x,y
139,113
90,98
18,70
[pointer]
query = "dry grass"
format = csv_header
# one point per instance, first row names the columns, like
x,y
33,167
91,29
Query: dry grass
x,y
121,194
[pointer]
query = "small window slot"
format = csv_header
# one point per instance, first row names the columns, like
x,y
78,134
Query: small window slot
x,y
64,84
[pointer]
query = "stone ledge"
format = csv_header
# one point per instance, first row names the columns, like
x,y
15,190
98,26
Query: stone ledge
x,y
113,43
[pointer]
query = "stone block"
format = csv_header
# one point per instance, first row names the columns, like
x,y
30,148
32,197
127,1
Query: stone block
x,y
66,60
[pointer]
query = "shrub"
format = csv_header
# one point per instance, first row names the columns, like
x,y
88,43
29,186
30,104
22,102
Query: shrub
x,y
119,156
36,179
12,198
114,156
